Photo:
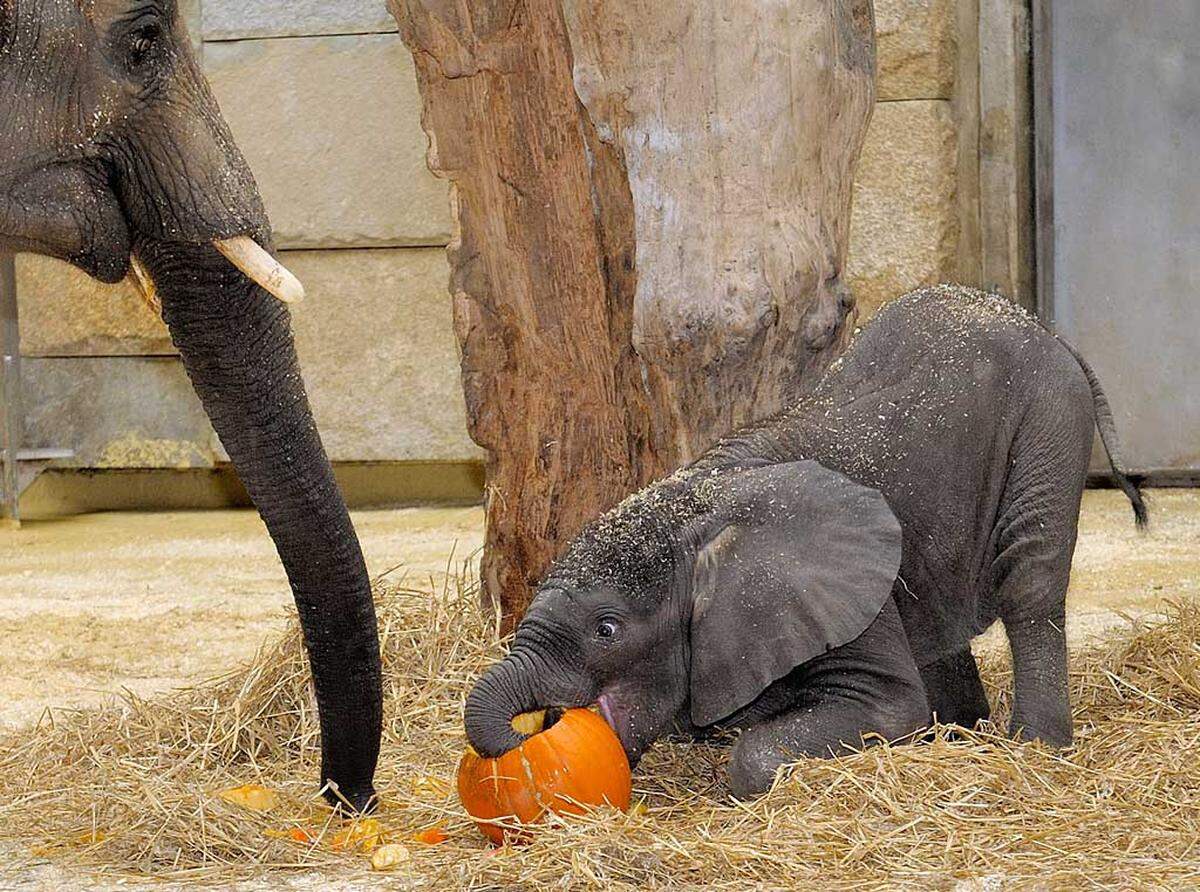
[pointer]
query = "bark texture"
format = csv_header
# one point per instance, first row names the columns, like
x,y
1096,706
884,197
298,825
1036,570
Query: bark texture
x,y
652,205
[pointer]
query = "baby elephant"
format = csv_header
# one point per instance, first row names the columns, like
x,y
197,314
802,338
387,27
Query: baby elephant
x,y
816,579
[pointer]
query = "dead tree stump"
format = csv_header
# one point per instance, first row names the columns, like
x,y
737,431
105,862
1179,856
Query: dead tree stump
x,y
653,205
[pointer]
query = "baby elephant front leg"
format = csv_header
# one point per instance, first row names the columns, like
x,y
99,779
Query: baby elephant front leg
x,y
829,725
868,688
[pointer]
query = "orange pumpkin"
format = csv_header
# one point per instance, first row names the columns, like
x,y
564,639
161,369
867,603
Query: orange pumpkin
x,y
577,762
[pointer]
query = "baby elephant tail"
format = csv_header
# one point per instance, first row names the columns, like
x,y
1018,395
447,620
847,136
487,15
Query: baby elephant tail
x,y
1108,436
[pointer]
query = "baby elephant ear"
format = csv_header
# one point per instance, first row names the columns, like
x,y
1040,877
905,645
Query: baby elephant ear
x,y
797,559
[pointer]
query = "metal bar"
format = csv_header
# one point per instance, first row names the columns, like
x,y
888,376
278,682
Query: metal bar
x,y
44,454
1043,160
11,422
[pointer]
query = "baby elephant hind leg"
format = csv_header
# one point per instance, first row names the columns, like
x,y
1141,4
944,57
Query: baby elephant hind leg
x,y
1041,703
1033,594
955,691
1035,541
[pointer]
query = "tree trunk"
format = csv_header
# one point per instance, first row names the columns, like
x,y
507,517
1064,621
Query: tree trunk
x,y
653,205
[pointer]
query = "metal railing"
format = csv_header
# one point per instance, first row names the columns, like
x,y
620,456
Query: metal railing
x,y
18,467
10,392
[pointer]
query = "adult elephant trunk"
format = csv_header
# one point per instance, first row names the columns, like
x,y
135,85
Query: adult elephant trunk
x,y
112,143
236,343
508,689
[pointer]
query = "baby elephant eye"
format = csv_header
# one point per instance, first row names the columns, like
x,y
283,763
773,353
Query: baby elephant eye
x,y
606,629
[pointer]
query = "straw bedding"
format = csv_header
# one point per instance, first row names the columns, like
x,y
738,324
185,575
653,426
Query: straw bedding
x,y
130,788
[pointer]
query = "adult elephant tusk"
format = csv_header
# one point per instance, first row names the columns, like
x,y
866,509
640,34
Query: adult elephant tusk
x,y
145,284
267,272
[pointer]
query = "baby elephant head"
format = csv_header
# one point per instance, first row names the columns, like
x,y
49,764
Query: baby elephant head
x,y
685,602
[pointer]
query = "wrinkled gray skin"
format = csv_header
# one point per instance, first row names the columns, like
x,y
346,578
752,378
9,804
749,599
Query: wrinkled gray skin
x,y
817,579
110,142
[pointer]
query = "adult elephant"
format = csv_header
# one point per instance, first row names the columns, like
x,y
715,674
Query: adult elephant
x,y
111,148
816,580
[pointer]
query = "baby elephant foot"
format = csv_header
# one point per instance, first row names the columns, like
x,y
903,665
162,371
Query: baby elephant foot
x,y
361,800
1054,731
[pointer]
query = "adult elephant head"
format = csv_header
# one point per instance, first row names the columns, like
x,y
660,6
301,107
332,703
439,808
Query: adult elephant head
x,y
111,148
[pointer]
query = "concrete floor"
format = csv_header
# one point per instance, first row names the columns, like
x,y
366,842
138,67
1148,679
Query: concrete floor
x,y
94,603
150,601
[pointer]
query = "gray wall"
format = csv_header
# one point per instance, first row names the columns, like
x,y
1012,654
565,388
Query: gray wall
x,y
1119,134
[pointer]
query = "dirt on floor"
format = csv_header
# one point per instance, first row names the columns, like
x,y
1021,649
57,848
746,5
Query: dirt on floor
x,y
93,604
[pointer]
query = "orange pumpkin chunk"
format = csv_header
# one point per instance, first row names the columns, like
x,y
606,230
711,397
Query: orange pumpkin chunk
x,y
254,797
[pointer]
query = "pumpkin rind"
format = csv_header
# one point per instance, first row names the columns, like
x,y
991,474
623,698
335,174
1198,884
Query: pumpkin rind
x,y
577,763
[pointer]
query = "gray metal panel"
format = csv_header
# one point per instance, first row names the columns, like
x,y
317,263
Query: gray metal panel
x,y
1118,90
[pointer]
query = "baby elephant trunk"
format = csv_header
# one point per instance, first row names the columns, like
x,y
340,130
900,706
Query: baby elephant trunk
x,y
505,691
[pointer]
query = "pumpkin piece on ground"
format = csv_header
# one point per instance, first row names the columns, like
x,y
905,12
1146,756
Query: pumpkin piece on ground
x,y
431,836
390,857
364,835
295,834
254,797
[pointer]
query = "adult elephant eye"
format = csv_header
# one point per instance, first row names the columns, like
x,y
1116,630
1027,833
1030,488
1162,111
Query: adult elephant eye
x,y
142,44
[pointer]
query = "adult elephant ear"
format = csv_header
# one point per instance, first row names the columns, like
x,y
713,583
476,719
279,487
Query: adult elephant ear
x,y
794,560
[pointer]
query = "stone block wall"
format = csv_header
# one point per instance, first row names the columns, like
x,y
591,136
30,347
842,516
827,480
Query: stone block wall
x,y
904,230
322,99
